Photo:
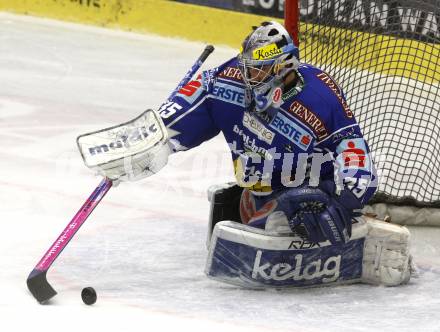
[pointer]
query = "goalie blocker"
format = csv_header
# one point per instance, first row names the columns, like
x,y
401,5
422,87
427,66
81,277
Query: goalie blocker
x,y
377,253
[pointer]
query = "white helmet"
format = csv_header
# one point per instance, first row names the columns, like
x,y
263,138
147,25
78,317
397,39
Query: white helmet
x,y
267,56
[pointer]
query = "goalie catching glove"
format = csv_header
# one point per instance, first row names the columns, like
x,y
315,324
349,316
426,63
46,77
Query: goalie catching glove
x,y
129,151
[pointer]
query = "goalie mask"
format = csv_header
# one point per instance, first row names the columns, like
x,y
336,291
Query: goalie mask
x,y
267,56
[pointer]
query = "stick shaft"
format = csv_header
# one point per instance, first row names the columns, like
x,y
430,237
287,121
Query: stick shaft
x,y
196,66
74,225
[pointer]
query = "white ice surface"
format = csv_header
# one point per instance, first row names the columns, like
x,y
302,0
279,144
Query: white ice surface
x,y
143,249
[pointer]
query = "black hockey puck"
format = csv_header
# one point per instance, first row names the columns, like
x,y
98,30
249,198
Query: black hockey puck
x,y
88,295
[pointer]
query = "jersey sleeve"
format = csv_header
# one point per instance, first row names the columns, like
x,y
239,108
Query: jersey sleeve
x,y
187,117
352,166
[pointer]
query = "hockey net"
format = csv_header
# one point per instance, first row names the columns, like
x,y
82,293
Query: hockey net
x,y
385,56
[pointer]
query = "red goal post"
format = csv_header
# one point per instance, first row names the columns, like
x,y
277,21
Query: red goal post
x,y
291,19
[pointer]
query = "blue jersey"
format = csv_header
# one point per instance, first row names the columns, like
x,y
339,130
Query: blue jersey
x,y
313,135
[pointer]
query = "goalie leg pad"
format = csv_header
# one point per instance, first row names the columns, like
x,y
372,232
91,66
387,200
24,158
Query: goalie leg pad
x,y
377,253
387,258
253,258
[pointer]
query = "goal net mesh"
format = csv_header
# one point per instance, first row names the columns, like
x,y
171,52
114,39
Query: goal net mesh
x,y
385,56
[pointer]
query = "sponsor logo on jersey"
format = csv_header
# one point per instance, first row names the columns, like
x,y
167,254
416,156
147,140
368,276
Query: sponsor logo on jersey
x,y
250,144
228,93
328,270
292,93
309,118
125,141
337,91
266,52
191,91
305,140
346,133
258,128
352,154
295,90
190,88
289,129
232,73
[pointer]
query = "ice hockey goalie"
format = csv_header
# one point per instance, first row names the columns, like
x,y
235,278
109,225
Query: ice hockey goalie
x,y
303,172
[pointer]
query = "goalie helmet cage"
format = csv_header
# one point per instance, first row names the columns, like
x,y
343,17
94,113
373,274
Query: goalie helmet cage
x,y
385,56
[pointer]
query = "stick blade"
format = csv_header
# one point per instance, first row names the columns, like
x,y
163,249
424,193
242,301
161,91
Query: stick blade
x,y
39,287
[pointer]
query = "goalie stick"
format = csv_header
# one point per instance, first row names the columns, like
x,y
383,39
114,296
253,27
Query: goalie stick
x,y
37,280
